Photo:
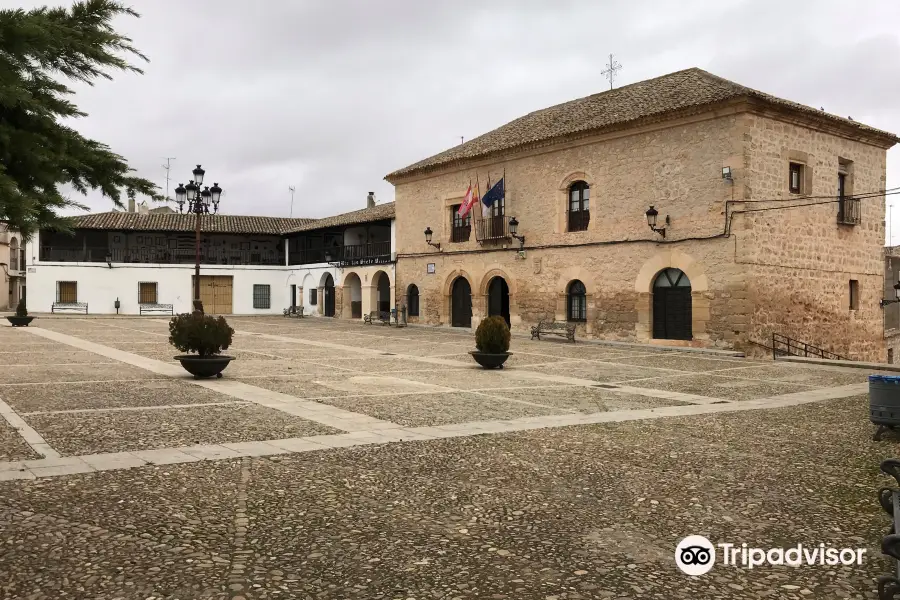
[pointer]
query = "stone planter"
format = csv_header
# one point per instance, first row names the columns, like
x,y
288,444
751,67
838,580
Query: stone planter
x,y
203,367
884,402
20,321
489,360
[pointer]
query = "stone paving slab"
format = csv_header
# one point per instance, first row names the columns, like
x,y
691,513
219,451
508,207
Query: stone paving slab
x,y
100,395
87,433
46,356
583,399
603,373
63,373
681,362
812,376
419,410
12,446
720,387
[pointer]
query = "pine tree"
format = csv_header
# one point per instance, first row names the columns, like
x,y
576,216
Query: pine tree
x,y
39,50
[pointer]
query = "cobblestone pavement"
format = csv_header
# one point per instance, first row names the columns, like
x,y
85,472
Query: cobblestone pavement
x,y
337,460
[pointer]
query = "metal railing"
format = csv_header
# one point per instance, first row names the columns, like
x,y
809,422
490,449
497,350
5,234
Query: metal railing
x,y
345,255
460,234
849,211
492,228
786,346
208,256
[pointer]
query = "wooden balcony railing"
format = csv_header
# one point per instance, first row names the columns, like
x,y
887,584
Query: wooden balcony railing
x,y
162,256
349,255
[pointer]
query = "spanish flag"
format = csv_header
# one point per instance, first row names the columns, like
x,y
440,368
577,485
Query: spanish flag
x,y
471,199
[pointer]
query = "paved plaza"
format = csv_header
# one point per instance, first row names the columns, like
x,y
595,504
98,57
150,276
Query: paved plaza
x,y
339,460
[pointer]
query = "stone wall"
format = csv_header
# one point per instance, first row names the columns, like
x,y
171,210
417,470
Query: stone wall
x,y
800,261
785,270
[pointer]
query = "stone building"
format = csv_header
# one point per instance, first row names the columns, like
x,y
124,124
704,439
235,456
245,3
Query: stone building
x,y
769,221
12,263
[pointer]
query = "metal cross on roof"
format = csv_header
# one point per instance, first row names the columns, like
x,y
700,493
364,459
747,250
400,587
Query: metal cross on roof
x,y
610,71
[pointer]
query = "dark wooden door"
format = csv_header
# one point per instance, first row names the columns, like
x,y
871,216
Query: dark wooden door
x,y
498,299
461,303
672,313
293,295
329,297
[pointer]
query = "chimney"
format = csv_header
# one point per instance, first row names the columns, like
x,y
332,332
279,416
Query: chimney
x,y
143,208
370,200
131,204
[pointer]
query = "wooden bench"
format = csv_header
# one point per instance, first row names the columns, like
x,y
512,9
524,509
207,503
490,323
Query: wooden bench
x,y
81,307
294,311
553,328
153,307
383,316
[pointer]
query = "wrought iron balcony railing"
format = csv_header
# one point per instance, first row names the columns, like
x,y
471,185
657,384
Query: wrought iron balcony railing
x,y
208,256
349,255
492,228
849,211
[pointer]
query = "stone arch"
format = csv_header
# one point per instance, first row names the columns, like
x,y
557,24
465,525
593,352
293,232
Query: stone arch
x,y
352,296
325,277
566,277
381,292
643,286
446,290
562,196
495,270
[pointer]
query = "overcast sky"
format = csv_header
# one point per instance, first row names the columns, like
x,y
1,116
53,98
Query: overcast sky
x,y
331,95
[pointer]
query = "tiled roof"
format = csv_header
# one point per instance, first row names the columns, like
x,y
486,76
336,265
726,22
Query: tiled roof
x,y
379,212
616,109
129,221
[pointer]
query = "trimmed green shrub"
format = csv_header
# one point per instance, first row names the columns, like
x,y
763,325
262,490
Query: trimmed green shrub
x,y
492,336
21,311
204,334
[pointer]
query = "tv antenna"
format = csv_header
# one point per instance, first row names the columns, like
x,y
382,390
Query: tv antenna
x,y
610,71
167,167
292,189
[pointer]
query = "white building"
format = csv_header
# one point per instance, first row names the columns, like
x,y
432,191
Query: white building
x,y
12,264
249,265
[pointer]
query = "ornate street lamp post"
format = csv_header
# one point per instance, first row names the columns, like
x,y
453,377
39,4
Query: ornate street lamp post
x,y
199,204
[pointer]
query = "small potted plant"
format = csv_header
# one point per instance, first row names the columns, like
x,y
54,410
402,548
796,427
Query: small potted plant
x,y
204,335
492,343
21,318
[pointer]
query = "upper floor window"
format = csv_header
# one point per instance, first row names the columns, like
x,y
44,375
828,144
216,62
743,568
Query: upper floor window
x,y
461,226
576,302
579,206
795,179
848,206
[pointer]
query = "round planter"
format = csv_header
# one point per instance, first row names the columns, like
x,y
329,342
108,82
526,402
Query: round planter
x,y
488,360
204,367
20,321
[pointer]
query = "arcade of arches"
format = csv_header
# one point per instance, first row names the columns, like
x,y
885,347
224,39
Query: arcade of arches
x,y
664,299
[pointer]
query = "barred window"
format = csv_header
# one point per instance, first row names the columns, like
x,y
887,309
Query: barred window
x,y
261,296
147,292
577,302
66,291
313,296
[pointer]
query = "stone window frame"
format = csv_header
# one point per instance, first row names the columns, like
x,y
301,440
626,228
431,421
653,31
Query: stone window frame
x,y
562,200
806,171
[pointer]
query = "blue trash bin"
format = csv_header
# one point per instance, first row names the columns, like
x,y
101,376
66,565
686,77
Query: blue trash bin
x,y
884,401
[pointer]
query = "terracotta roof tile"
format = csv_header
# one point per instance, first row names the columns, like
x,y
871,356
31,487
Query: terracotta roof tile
x,y
615,109
379,212
128,221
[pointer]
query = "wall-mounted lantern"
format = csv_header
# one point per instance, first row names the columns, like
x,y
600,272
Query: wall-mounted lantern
x,y
514,230
652,214
896,296
428,236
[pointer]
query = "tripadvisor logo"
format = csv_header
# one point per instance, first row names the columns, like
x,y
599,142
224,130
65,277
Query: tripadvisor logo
x,y
696,555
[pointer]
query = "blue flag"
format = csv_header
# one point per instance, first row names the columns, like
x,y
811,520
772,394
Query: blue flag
x,y
495,193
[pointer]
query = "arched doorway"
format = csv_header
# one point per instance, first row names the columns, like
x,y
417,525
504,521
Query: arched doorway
x,y
461,303
672,305
383,292
353,293
328,293
498,299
